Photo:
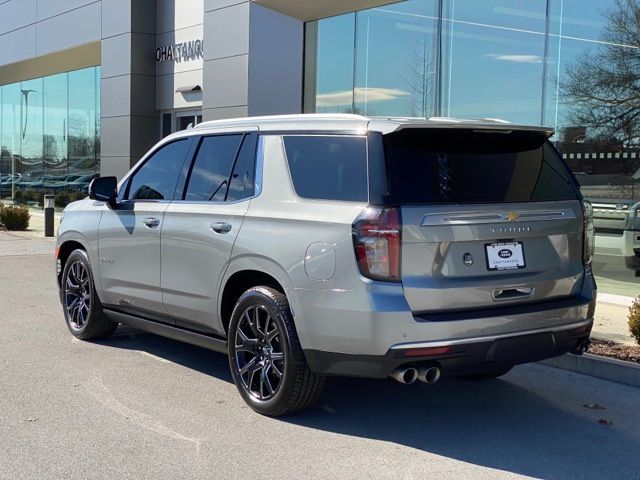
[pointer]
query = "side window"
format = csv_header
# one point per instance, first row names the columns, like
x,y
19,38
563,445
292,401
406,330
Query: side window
x,y
156,178
328,167
242,179
209,177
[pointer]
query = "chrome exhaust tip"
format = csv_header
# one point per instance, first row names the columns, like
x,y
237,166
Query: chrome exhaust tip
x,y
429,374
405,375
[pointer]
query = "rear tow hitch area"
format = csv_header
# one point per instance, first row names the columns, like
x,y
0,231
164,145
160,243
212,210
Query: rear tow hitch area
x,y
581,347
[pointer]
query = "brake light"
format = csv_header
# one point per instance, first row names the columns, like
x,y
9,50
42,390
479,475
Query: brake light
x,y
589,240
376,238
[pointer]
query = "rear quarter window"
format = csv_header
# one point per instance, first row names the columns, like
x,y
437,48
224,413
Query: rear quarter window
x,y
328,167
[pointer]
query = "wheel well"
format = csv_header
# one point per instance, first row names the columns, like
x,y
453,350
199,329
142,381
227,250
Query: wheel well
x,y
239,283
65,250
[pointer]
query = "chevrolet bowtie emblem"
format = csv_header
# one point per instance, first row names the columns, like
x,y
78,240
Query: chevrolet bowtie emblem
x,y
512,216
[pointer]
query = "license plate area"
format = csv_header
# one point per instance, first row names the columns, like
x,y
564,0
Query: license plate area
x,y
504,256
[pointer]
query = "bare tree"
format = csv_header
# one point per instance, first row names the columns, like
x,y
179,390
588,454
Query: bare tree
x,y
602,87
420,81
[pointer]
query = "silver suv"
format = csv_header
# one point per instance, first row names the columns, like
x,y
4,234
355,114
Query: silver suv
x,y
312,245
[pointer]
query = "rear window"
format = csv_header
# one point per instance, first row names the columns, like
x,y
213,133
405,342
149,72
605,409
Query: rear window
x,y
445,166
328,167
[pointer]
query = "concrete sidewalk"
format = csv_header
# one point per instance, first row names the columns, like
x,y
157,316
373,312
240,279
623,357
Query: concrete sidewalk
x,y
611,319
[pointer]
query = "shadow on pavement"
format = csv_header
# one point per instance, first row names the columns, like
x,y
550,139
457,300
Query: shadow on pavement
x,y
196,358
503,424
496,424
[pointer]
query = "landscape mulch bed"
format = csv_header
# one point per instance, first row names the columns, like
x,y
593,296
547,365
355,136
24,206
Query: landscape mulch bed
x,y
629,353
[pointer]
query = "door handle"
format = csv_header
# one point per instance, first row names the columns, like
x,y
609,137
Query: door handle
x,y
151,222
220,227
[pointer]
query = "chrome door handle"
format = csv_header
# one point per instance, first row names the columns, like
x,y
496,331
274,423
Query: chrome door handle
x,y
151,222
220,227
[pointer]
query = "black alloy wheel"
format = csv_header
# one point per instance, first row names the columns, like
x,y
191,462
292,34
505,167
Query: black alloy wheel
x,y
265,357
77,294
260,357
81,306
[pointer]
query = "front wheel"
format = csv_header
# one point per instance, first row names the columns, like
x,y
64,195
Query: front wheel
x,y
82,308
266,359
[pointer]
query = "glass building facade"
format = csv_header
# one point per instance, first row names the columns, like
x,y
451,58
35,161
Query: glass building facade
x,y
50,136
568,64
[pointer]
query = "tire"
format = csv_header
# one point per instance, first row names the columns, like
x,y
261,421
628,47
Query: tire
x,y
487,375
266,360
80,303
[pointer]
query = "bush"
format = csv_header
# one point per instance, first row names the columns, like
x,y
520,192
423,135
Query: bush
x,y
634,319
14,217
62,199
30,195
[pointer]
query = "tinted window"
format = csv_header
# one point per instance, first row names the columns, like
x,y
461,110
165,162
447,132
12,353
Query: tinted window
x,y
328,167
242,179
209,178
467,167
156,179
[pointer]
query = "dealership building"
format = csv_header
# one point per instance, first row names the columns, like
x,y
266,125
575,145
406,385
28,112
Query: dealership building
x,y
88,86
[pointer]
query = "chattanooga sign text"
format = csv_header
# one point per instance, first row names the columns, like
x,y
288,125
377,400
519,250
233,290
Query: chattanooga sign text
x,y
180,52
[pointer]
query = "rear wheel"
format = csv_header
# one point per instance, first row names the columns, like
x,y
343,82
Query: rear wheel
x,y
265,356
82,308
488,374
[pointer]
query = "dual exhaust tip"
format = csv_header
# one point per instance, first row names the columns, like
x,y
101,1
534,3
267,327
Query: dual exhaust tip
x,y
409,375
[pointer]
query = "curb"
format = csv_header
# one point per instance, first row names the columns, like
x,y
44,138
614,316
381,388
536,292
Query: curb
x,y
612,299
600,367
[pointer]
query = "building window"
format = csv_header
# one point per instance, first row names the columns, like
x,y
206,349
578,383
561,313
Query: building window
x,y
50,136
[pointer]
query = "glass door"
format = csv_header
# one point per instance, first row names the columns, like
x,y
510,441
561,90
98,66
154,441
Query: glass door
x,y
175,120
186,118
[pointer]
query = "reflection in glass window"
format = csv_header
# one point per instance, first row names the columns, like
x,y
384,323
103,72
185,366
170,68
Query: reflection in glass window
x,y
30,133
82,124
332,71
396,60
56,167
9,139
209,178
156,179
455,166
491,71
242,180
593,99
49,136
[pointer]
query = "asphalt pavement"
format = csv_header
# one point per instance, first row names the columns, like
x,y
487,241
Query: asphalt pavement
x,y
141,406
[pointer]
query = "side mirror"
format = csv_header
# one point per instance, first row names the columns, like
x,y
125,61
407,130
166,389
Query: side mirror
x,y
104,189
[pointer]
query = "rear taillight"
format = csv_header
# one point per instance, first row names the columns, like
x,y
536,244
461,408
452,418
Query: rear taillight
x,y
376,237
589,233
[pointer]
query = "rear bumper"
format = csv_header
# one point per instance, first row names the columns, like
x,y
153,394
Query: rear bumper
x,y
465,356
631,249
